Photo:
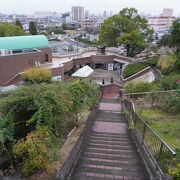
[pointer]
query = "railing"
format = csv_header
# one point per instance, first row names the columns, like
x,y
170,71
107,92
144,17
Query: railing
x,y
160,153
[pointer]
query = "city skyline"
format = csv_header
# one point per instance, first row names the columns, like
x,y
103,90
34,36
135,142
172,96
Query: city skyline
x,y
30,6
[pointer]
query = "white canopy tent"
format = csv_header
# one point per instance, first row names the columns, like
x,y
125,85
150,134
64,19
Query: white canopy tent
x,y
83,72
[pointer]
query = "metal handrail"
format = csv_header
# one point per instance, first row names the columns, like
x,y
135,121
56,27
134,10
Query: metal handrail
x,y
162,147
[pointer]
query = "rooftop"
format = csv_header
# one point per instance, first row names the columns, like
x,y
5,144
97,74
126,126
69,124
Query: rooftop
x,y
23,42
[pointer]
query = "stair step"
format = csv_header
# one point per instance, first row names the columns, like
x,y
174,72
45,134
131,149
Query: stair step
x,y
116,158
107,146
139,174
110,142
109,120
92,176
109,115
129,169
109,151
128,165
112,139
109,134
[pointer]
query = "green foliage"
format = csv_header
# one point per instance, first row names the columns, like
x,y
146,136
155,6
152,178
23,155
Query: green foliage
x,y
168,82
128,29
67,27
32,28
133,69
18,23
81,92
169,102
56,30
175,34
165,40
167,125
175,173
137,86
153,61
30,111
85,41
172,39
34,151
166,63
37,75
8,29
6,129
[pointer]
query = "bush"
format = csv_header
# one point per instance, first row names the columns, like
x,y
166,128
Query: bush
x,y
137,86
169,102
169,82
175,173
34,151
29,111
152,62
37,75
133,69
166,63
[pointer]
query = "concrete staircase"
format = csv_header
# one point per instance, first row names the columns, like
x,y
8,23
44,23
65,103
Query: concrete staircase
x,y
109,152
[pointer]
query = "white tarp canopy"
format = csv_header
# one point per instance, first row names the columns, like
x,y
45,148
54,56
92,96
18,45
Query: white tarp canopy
x,y
83,72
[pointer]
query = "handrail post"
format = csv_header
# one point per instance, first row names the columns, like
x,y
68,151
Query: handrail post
x,y
159,156
144,133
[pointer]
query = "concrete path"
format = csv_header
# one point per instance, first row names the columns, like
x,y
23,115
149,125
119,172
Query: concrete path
x,y
109,154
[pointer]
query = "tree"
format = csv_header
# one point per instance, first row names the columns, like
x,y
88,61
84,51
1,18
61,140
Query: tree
x,y
128,29
165,40
8,29
32,28
175,34
18,23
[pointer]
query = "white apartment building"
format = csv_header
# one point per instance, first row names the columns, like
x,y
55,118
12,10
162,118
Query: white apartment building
x,y
162,22
77,14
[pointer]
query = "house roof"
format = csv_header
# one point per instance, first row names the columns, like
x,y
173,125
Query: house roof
x,y
83,72
23,42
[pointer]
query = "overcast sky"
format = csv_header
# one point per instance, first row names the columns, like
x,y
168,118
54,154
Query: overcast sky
x,y
29,6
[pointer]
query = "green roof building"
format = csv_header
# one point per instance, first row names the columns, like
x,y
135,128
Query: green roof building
x,y
23,42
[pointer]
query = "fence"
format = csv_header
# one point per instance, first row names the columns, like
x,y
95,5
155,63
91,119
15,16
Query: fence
x,y
159,152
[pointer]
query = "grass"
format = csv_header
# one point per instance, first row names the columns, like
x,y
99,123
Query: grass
x,y
133,69
166,125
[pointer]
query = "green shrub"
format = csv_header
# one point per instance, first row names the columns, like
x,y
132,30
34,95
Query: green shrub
x,y
169,102
137,86
152,62
34,151
37,75
31,109
166,63
175,173
169,82
133,69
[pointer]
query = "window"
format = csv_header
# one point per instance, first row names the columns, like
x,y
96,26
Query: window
x,y
46,58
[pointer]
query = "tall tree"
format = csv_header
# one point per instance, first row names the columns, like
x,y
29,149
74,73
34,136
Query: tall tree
x,y
32,28
8,29
18,23
126,28
175,34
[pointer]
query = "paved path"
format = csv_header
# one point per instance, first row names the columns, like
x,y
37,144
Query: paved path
x,y
109,154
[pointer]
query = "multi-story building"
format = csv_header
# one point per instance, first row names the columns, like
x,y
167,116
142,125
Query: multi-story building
x,y
162,22
88,23
19,53
77,14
